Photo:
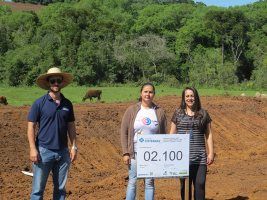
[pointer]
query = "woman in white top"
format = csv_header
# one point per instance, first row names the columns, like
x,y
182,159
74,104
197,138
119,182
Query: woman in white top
x,y
142,118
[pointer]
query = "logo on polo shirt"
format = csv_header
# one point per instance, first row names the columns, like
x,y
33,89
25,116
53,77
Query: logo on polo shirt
x,y
66,109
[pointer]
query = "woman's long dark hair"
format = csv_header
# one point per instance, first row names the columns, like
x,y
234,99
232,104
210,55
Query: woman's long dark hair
x,y
146,84
197,105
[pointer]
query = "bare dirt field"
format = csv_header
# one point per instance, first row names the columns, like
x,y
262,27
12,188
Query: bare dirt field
x,y
239,172
22,6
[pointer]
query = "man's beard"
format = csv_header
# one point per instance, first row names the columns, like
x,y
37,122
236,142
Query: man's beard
x,y
55,91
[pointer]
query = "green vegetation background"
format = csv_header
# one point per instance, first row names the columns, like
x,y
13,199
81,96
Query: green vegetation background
x,y
109,42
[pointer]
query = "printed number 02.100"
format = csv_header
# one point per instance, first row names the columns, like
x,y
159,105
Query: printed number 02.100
x,y
172,155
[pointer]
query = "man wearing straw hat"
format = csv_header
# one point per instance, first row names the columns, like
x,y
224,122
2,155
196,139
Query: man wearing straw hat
x,y
49,148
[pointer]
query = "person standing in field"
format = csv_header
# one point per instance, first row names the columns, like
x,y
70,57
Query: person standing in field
x,y
144,117
53,113
191,119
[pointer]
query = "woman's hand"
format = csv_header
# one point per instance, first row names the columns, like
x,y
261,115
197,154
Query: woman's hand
x,y
210,159
126,159
209,138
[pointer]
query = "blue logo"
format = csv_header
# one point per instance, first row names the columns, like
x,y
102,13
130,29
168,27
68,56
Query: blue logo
x,y
141,140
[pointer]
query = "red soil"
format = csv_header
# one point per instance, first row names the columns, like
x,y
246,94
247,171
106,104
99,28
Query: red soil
x,y
239,172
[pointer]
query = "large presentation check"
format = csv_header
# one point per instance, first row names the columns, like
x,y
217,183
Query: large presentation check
x,y
163,155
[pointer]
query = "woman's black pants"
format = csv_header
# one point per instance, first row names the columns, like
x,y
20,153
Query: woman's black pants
x,y
198,177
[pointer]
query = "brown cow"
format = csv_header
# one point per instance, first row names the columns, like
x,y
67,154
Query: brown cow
x,y
3,100
93,94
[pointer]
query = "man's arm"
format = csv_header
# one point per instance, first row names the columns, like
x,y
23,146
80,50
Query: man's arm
x,y
34,157
72,136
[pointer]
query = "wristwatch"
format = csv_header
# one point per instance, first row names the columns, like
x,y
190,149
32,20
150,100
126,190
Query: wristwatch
x,y
74,147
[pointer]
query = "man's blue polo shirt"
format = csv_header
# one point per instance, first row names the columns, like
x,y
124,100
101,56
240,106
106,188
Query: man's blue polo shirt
x,y
53,121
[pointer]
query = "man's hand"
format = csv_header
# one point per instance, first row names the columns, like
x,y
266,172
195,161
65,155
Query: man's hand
x,y
34,155
73,154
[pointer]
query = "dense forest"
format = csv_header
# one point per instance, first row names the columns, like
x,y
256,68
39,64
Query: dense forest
x,y
129,41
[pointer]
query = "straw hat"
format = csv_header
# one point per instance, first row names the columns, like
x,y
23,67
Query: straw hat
x,y
42,80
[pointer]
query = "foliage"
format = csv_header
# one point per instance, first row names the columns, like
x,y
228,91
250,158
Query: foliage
x,y
102,42
149,52
206,68
259,75
21,65
230,29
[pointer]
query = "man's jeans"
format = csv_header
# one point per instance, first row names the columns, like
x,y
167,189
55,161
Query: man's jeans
x,y
131,189
57,161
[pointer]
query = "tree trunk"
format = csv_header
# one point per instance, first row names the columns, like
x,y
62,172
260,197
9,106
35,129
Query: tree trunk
x,y
155,67
237,49
222,53
143,71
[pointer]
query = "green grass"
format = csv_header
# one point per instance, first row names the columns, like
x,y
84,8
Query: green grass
x,y
18,96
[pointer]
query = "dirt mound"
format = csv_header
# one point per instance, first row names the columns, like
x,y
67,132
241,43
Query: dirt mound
x,y
239,172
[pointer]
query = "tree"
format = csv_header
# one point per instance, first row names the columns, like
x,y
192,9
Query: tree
x,y
175,1
188,37
259,75
257,53
230,28
5,42
5,10
149,51
257,46
128,58
115,41
208,70
19,28
157,18
20,65
84,73
163,20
